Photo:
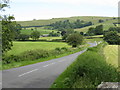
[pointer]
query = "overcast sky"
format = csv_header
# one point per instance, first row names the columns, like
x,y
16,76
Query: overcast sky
x,y
45,9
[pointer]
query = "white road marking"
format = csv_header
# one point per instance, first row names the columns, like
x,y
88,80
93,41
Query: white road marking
x,y
46,65
53,63
49,64
27,72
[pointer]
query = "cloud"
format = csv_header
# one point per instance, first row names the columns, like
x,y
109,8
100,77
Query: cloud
x,y
112,3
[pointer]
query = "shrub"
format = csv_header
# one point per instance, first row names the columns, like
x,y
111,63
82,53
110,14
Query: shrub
x,y
64,48
58,49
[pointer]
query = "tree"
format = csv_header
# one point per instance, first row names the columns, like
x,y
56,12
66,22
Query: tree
x,y
35,35
63,33
74,39
8,27
81,33
100,21
112,37
23,37
64,37
52,34
99,30
91,31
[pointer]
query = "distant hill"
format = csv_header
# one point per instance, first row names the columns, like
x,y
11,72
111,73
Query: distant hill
x,y
93,19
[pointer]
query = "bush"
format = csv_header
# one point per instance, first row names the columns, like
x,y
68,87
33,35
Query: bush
x,y
64,48
112,37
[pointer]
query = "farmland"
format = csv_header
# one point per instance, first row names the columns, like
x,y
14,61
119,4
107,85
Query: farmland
x,y
28,31
111,54
20,47
106,26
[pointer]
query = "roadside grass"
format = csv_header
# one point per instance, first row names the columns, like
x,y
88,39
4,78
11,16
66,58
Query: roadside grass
x,y
20,47
111,54
28,62
88,71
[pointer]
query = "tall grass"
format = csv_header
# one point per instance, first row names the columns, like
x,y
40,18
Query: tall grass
x,y
88,71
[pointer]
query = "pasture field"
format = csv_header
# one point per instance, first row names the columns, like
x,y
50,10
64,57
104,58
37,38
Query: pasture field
x,y
42,31
111,54
97,36
106,26
50,38
93,40
19,47
94,19
117,25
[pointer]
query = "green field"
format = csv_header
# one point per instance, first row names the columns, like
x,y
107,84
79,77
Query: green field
x,y
50,38
106,26
111,54
94,19
97,36
28,31
117,25
19,47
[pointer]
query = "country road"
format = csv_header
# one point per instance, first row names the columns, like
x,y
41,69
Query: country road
x,y
40,75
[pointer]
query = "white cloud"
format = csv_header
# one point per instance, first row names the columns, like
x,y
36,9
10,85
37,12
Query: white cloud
x,y
113,3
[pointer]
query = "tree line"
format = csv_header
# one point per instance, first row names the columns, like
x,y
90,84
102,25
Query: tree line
x,y
66,24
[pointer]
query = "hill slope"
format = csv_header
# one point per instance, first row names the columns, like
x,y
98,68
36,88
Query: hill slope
x,y
94,19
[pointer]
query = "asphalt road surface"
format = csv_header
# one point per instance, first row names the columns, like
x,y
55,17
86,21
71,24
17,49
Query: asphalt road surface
x,y
40,75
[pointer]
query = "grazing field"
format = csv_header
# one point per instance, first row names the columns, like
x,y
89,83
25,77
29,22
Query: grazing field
x,y
106,26
19,47
94,19
117,25
111,54
42,31
97,36
50,38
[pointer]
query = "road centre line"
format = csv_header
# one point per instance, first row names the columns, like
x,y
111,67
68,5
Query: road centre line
x,y
27,72
49,64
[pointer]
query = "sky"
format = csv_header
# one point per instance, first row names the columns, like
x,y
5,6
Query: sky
x,y
24,10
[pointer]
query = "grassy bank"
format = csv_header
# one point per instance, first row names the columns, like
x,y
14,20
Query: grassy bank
x,y
88,71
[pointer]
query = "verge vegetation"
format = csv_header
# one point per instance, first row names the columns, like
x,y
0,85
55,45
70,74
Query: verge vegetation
x,y
88,71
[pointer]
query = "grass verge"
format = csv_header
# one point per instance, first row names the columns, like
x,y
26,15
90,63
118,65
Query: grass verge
x,y
88,71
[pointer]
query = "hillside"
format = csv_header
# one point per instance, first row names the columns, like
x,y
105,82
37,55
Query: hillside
x,y
94,19
106,25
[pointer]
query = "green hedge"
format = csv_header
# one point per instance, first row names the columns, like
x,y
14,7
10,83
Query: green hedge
x,y
88,71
